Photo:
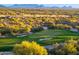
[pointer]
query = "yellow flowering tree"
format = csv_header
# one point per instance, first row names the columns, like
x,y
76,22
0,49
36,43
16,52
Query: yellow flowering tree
x,y
29,48
70,47
28,28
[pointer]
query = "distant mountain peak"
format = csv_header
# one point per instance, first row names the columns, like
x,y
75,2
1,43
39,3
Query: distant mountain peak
x,y
2,6
26,6
34,6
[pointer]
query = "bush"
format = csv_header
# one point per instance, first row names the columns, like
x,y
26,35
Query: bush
x,y
37,29
57,49
29,48
69,47
6,48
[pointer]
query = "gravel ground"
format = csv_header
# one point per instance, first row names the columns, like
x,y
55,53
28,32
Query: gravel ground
x,y
6,53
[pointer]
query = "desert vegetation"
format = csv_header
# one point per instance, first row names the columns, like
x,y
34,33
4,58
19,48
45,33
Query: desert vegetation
x,y
28,31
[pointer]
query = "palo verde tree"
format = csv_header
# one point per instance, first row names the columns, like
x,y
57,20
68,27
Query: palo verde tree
x,y
29,48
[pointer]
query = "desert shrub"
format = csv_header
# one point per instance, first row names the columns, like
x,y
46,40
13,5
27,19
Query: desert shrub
x,y
69,47
62,26
37,29
57,49
29,48
6,48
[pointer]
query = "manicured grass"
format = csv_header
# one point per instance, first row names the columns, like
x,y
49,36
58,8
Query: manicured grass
x,y
6,44
51,33
54,36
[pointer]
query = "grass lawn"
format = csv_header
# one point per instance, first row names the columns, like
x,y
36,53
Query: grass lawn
x,y
53,36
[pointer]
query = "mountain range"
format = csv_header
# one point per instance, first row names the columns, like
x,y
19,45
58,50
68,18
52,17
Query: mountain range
x,y
32,6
